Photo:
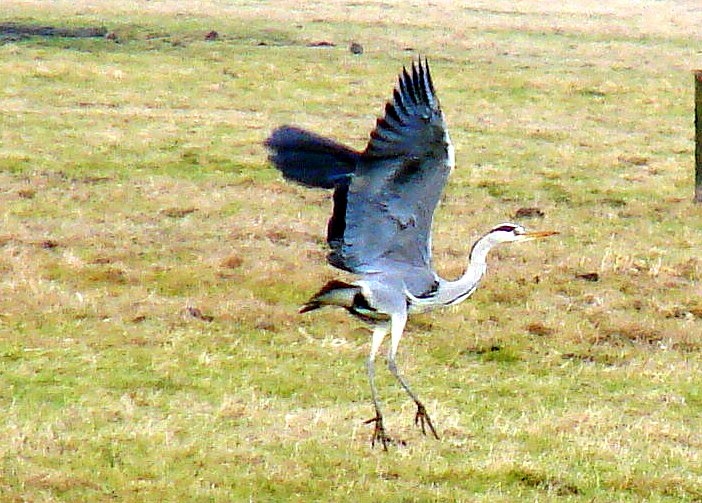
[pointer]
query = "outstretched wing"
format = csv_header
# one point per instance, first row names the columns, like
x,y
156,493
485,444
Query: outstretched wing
x,y
309,159
382,220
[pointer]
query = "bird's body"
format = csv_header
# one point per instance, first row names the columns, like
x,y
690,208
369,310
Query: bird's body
x,y
380,228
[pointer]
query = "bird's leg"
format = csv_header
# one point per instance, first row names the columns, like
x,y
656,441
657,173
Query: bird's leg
x,y
379,435
421,419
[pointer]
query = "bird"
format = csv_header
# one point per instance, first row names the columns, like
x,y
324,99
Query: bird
x,y
384,199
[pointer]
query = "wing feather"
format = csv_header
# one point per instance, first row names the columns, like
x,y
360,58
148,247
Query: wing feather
x,y
390,201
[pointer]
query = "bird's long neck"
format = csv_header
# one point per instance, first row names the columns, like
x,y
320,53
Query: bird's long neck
x,y
453,292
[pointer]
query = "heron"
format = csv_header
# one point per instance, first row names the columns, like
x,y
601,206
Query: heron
x,y
384,199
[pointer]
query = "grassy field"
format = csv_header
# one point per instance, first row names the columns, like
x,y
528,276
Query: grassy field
x,y
152,263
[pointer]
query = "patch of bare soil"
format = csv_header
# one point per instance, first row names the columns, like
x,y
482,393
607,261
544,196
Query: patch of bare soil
x,y
17,31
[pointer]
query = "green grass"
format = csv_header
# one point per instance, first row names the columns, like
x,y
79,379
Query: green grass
x,y
151,262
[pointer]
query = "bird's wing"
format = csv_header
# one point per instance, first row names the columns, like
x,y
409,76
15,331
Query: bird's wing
x,y
383,218
309,159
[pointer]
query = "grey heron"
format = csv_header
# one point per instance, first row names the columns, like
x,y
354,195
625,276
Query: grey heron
x,y
380,229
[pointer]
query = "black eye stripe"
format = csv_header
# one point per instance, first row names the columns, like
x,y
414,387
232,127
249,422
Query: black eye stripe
x,y
504,228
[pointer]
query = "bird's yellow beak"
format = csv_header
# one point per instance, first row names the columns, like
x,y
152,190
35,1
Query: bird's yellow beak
x,y
539,234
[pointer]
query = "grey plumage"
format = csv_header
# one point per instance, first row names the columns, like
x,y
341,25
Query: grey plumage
x,y
380,229
385,196
310,159
395,188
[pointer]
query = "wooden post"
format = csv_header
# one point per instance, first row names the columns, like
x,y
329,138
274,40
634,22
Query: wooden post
x,y
698,136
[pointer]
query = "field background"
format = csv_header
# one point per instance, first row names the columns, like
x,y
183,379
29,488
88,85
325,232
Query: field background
x,y
152,262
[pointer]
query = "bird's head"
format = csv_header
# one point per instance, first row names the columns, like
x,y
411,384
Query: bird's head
x,y
510,233
504,233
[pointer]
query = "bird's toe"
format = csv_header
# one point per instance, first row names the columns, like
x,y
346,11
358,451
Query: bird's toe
x,y
423,420
379,434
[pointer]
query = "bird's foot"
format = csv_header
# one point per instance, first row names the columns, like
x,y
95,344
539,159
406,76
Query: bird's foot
x,y
423,420
379,434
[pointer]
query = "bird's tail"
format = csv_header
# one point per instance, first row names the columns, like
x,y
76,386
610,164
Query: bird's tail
x,y
334,293
310,159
